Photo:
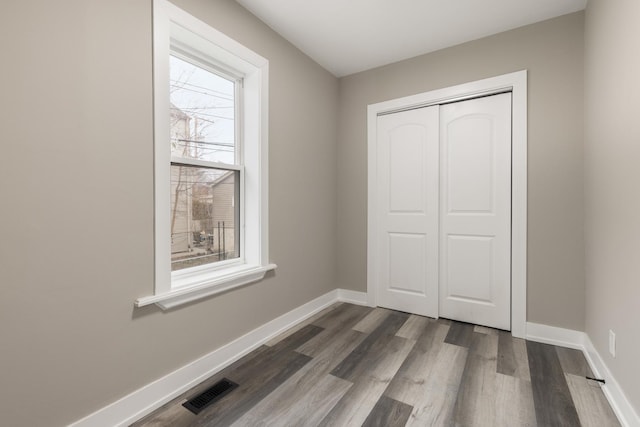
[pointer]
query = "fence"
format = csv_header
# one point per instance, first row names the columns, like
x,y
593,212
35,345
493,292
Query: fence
x,y
210,244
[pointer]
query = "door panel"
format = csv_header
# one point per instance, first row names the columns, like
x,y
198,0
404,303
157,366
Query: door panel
x,y
475,211
407,253
469,267
407,211
406,169
469,165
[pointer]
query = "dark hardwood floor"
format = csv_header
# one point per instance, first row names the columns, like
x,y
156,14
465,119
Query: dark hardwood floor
x,y
356,366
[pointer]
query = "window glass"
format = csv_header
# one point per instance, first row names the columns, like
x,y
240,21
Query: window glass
x,y
204,199
202,113
204,216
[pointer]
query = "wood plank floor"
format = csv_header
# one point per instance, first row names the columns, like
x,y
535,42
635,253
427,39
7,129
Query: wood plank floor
x,y
356,366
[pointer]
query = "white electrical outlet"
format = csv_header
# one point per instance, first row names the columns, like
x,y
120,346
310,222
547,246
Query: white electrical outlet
x,y
612,343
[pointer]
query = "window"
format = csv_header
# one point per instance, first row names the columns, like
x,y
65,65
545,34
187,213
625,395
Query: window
x,y
205,164
210,160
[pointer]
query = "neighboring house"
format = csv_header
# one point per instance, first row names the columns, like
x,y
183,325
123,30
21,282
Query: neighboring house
x,y
180,206
213,215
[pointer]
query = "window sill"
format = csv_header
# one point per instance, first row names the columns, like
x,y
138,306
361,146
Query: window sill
x,y
206,285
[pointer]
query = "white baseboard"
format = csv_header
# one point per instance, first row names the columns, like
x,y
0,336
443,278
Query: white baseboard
x,y
353,297
581,341
616,397
150,397
555,336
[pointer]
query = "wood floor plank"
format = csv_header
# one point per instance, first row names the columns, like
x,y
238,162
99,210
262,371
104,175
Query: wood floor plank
x,y
296,339
507,364
435,406
522,360
592,406
249,393
475,403
373,349
258,372
489,398
388,413
444,321
307,396
344,313
271,358
310,321
253,374
512,356
259,379
371,366
417,369
308,409
552,398
354,407
460,334
513,402
573,362
174,414
485,330
413,327
373,319
318,344
429,378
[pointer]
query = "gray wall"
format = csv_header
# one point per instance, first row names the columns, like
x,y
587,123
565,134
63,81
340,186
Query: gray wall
x,y
552,51
612,184
76,236
76,180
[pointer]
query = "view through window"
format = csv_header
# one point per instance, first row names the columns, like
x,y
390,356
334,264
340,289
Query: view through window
x,y
205,172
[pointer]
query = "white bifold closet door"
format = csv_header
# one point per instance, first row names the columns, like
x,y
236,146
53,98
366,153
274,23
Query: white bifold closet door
x,y
408,211
475,211
444,175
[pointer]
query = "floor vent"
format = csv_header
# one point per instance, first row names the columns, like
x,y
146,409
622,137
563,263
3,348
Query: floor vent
x,y
214,393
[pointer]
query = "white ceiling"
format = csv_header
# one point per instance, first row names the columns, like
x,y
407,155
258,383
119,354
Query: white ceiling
x,y
347,36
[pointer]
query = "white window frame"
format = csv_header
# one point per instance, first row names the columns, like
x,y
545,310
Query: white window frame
x,y
176,30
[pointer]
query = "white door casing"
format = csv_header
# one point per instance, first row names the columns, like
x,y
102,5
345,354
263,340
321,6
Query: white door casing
x,y
408,210
475,211
516,83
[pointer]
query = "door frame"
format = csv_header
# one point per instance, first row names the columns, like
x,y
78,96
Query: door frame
x,y
516,83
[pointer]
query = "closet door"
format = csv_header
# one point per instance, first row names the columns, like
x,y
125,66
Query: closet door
x,y
407,153
475,211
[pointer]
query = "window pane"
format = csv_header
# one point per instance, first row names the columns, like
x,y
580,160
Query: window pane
x,y
202,113
204,216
